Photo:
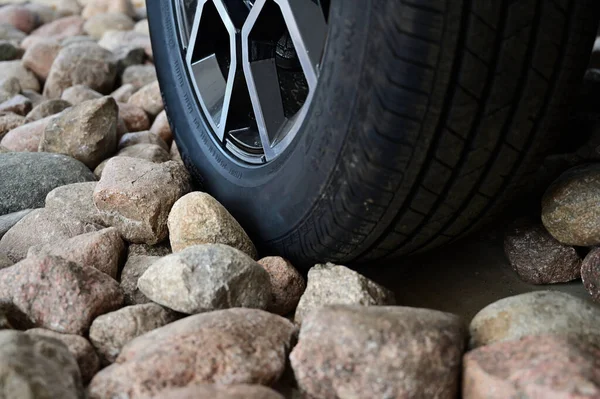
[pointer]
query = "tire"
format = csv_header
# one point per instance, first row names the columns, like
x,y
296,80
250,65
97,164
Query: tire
x,y
429,116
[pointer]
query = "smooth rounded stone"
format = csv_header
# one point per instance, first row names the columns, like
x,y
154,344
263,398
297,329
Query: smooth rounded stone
x,y
533,367
123,93
46,109
16,69
142,27
135,118
537,257
86,132
44,13
41,227
135,196
8,220
110,332
9,51
287,284
9,122
35,97
59,295
590,273
19,16
26,178
128,55
346,351
135,266
18,104
233,346
58,29
198,218
80,348
79,93
40,56
26,137
113,39
212,391
63,7
99,24
148,98
75,200
33,366
139,75
534,313
330,284
161,128
85,63
145,137
95,7
10,33
161,249
9,87
103,250
206,277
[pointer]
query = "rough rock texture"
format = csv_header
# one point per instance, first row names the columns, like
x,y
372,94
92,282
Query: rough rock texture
x,y
37,367
135,266
590,273
18,104
46,109
330,284
161,128
213,391
139,75
79,93
7,221
87,132
249,346
80,348
537,257
533,367
75,200
41,227
26,137
570,206
148,98
8,122
150,152
287,285
145,137
135,196
27,80
26,178
374,352
103,250
81,63
534,313
198,218
206,277
161,249
58,30
135,117
99,24
112,331
113,39
40,56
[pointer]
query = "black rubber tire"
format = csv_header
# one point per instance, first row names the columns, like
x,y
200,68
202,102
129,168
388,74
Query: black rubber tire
x,y
429,115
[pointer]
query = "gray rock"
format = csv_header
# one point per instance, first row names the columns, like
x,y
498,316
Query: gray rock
x,y
162,128
127,56
79,93
139,75
27,79
113,39
161,249
9,122
330,284
10,33
33,96
112,331
534,313
18,104
132,271
9,87
206,277
47,108
5,262
10,219
26,178
9,51
96,7
123,93
37,367
75,200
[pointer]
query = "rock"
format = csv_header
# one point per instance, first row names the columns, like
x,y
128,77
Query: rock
x,y
534,313
79,93
175,155
79,347
63,7
15,69
81,63
206,277
148,98
26,178
18,16
99,24
142,27
127,56
19,105
330,284
35,97
87,132
233,346
77,39
287,285
162,249
211,391
161,128
145,137
46,109
75,200
132,271
37,367
103,6
139,75
98,170
8,122
5,262
44,13
134,117
113,39
376,352
110,332
59,295
9,87
135,196
590,273
123,93
40,56
533,367
8,220
150,152
58,30
9,51
41,227
26,137
10,33
537,257
103,250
